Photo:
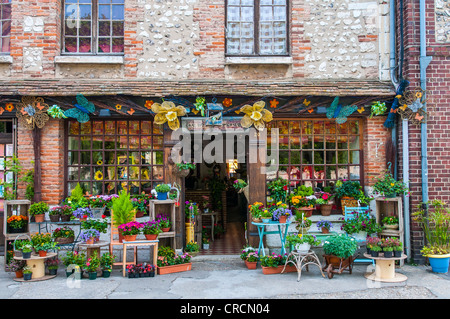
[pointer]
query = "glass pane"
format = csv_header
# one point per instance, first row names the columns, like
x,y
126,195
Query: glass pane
x,y
158,158
330,127
123,142
307,157
74,143
97,143
233,30
117,28
354,142
118,45
266,46
97,158
295,142
306,127
233,13
110,142
72,158
296,157
307,142
86,128
69,29
97,128
145,174
146,158
247,30
70,44
294,127
157,142
342,128
110,172
104,45
134,142
354,157
122,127
85,45
246,46
279,46
342,157
110,158
319,157
266,13
110,127
342,142
85,28
86,143
342,172
233,46
158,173
355,172
85,11
72,173
104,12
85,158
146,142
318,142
117,12
247,14
284,142
331,157
284,157
85,173
330,142
353,127
97,188
104,28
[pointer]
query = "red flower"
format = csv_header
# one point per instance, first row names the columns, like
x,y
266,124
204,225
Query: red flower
x,y
103,216
85,216
285,187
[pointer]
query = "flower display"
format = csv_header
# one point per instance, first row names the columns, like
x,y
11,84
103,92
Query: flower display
x,y
361,222
190,209
281,211
92,263
278,189
151,227
273,260
63,232
324,198
42,241
299,238
387,186
87,234
246,251
131,228
82,212
163,221
238,184
17,221
324,224
256,209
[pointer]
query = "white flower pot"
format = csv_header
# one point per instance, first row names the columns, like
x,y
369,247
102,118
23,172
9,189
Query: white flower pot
x,y
302,248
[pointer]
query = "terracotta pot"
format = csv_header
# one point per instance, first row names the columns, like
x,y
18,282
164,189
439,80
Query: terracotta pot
x,y
277,270
174,268
325,209
90,241
165,229
325,230
250,264
42,253
139,214
120,236
129,237
151,236
305,210
39,218
19,274
54,218
282,219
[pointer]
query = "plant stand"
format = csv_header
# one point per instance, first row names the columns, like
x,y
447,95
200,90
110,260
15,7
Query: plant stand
x,y
154,203
341,264
385,269
213,216
135,244
303,260
261,231
37,265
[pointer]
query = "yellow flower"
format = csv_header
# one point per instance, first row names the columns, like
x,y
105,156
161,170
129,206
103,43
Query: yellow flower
x,y
279,203
418,95
398,96
255,115
392,184
118,106
168,112
99,162
98,176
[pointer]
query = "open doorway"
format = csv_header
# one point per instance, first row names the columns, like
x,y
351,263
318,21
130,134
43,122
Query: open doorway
x,y
223,209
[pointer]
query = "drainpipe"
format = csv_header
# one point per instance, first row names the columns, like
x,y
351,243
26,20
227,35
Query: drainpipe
x,y
406,181
392,47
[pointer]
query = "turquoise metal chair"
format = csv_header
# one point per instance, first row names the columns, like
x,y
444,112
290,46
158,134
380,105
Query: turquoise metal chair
x,y
349,214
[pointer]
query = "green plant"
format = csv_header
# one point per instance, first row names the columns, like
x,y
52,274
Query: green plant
x,y
27,248
377,108
299,238
239,184
303,191
252,257
52,263
388,186
245,251
273,260
162,188
390,220
92,263
265,213
324,224
13,166
256,209
166,251
217,186
122,209
27,270
76,199
38,208
74,258
99,224
376,248
106,261
348,188
42,241
151,227
185,165
63,232
435,223
190,209
191,246
278,189
361,222
341,245
324,198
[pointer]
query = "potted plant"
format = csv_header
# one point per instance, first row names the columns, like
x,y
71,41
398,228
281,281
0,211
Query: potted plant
x,y
91,266
302,243
151,229
89,236
52,266
65,212
26,251
390,222
205,243
140,203
16,266
42,242
183,168
130,230
192,248
339,251
73,262
375,250
38,210
162,190
82,213
266,215
100,224
218,230
350,192
190,211
239,184
97,204
172,263
164,222
436,227
122,210
303,199
281,213
324,199
274,264
17,224
372,241
278,189
387,186
252,260
54,214
324,226
388,248
63,235
398,247
361,225
303,223
132,271
106,263
255,210
27,272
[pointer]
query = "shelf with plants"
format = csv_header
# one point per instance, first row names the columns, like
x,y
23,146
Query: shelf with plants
x,y
165,216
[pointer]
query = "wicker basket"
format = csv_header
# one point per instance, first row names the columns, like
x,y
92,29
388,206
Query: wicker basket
x,y
348,202
64,240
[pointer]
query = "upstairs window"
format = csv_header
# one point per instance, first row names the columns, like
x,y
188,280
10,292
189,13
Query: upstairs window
x,y
257,28
93,26
5,25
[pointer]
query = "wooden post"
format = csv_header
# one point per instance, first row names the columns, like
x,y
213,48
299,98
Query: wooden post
x,y
37,164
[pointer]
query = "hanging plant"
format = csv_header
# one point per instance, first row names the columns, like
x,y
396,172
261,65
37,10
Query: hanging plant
x,y
168,112
378,108
255,115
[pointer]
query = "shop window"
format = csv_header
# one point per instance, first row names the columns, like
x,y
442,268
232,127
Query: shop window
x,y
106,156
317,153
257,28
94,26
5,25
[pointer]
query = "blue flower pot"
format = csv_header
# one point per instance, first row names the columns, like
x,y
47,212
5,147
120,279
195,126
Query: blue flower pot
x,y
439,263
162,196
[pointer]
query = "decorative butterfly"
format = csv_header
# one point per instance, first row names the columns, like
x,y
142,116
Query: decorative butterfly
x,y
131,111
419,117
361,109
310,110
81,110
340,112
306,102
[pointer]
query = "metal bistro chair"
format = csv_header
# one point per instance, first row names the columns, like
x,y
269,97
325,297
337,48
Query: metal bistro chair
x,y
348,214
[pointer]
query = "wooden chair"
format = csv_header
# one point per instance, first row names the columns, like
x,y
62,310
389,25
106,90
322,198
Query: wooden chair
x,y
114,241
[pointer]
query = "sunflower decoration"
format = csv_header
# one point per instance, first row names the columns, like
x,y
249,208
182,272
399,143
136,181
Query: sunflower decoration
x,y
32,112
148,104
168,112
9,107
98,176
99,162
227,102
411,105
255,115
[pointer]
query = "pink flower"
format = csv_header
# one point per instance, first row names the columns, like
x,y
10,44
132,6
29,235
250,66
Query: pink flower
x,y
325,196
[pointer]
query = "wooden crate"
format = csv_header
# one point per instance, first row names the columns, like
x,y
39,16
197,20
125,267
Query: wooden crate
x,y
166,208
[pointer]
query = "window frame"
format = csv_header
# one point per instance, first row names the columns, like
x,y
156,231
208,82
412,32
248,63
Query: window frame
x,y
94,33
256,33
2,37
116,180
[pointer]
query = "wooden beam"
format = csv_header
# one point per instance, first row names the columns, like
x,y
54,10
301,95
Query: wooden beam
x,y
130,103
106,106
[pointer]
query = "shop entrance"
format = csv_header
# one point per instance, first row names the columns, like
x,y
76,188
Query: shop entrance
x,y
210,185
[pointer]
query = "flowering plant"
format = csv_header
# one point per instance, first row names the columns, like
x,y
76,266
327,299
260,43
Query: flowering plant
x,y
87,234
190,209
388,244
282,211
172,260
52,263
131,228
163,221
341,246
273,260
390,220
256,209
252,257
92,263
324,224
245,251
265,213
239,184
324,198
151,227
298,238
62,210
191,246
162,188
106,261
42,241
278,189
82,212
99,224
361,222
17,221
98,201
74,258
140,202
372,242
27,248
302,220
388,186
185,165
15,265
38,208
348,188
63,232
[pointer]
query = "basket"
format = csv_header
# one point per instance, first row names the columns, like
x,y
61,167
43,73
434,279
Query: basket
x,y
64,240
18,253
348,202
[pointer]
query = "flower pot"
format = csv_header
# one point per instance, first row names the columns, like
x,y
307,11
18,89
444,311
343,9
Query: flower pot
x,y
278,269
151,273
374,253
282,219
65,218
391,226
266,220
250,264
139,214
388,254
325,209
151,236
256,220
39,218
26,255
166,229
129,237
182,172
52,272
55,218
439,263
162,196
90,241
307,211
19,274
205,246
302,248
174,268
27,276
397,253
106,273
92,275
64,240
325,230
42,253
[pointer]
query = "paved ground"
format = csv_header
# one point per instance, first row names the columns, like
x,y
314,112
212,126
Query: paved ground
x,y
226,278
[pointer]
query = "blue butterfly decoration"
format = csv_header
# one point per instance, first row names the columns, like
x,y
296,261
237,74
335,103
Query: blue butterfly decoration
x,y
340,112
81,110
